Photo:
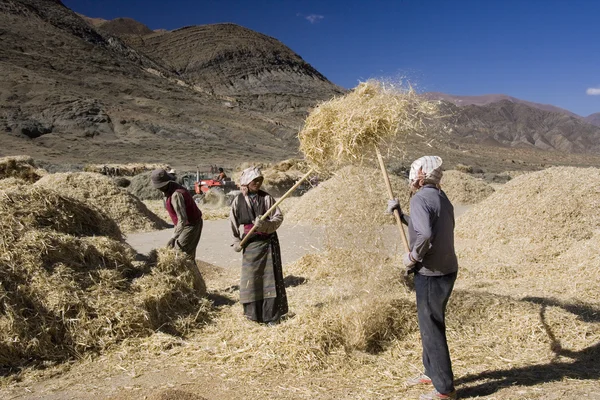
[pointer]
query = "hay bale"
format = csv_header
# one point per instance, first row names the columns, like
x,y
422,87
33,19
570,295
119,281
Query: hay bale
x,y
353,196
464,189
26,207
99,191
22,167
346,129
141,187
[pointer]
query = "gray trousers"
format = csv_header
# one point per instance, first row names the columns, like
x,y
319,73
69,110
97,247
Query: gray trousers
x,y
433,293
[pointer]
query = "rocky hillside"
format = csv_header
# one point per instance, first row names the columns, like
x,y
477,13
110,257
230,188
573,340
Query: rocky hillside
x,y
593,119
69,90
507,123
494,98
249,69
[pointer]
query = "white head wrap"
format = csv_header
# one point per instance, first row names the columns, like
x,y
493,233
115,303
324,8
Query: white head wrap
x,y
250,174
431,167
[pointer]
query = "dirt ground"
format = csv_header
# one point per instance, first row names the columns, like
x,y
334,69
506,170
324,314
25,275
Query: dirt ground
x,y
165,368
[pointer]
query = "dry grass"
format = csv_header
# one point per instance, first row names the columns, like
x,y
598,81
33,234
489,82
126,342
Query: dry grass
x,y
346,129
99,191
69,286
141,187
20,167
464,189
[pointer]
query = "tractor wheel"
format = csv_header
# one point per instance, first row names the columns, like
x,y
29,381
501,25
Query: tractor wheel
x,y
231,195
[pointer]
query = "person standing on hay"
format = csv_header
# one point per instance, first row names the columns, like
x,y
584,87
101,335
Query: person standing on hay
x,y
185,214
434,262
262,289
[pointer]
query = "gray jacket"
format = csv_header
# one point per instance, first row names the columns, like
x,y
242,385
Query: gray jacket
x,y
431,232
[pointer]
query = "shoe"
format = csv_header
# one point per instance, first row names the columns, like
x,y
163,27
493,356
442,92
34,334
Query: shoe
x,y
435,395
420,379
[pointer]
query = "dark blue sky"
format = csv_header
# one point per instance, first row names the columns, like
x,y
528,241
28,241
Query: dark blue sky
x,y
547,51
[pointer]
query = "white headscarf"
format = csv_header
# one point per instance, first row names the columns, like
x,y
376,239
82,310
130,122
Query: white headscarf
x,y
248,175
431,167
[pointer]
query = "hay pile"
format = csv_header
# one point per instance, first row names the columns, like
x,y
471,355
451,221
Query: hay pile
x,y
462,188
534,228
346,129
353,196
100,192
122,169
69,286
280,177
141,187
20,167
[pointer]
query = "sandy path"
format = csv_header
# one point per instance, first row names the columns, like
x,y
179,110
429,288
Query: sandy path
x,y
214,246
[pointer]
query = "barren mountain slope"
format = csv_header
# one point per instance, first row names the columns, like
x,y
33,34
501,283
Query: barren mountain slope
x,y
518,125
70,92
255,70
486,99
593,119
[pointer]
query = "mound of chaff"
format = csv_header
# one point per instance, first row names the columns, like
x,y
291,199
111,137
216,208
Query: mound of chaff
x,y
536,228
100,192
70,287
141,187
122,169
20,167
462,188
353,196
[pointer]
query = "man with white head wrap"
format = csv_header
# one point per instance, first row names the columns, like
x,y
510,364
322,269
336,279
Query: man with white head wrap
x,y
433,259
262,290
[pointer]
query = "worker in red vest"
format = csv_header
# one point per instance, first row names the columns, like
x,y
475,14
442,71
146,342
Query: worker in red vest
x,y
185,214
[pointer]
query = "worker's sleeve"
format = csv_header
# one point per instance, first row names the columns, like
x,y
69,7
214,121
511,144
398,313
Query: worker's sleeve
x,y
274,221
421,223
178,204
234,222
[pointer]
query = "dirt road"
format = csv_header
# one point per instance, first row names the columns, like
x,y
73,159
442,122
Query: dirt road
x,y
214,246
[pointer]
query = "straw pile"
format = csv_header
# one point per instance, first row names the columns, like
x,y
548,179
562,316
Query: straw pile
x,y
21,167
346,129
280,177
100,192
353,196
122,169
462,188
69,286
534,229
141,187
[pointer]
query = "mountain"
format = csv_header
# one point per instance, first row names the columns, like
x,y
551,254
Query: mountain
x,y
246,67
593,119
72,91
493,98
518,125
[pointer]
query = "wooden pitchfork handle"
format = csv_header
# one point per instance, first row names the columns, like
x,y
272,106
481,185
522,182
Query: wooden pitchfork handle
x,y
274,206
386,178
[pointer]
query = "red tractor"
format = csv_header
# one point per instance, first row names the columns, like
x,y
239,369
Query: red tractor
x,y
206,189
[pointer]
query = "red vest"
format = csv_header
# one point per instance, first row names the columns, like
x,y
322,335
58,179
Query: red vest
x,y
191,209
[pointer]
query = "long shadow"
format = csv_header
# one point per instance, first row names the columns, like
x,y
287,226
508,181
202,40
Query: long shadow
x,y
585,364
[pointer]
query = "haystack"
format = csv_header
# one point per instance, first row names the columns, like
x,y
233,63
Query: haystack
x,y
21,167
70,287
141,187
462,188
526,231
25,208
280,177
99,191
353,196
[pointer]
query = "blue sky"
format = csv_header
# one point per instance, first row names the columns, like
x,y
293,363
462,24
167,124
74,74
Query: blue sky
x,y
547,51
